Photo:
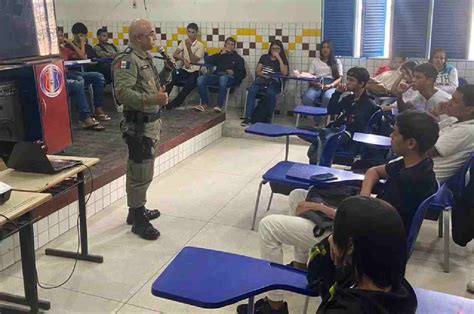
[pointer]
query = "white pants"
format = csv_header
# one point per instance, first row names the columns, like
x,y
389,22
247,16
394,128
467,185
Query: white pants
x,y
276,230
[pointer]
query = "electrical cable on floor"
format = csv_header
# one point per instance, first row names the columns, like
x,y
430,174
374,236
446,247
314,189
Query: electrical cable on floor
x,y
78,240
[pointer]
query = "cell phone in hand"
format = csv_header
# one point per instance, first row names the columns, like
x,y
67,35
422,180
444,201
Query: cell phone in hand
x,y
323,177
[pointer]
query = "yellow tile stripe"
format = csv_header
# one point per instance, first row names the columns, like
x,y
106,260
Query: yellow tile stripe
x,y
306,32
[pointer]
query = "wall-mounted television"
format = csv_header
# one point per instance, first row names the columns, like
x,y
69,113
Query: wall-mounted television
x,y
27,29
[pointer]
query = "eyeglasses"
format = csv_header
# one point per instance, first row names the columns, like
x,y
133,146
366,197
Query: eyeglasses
x,y
275,48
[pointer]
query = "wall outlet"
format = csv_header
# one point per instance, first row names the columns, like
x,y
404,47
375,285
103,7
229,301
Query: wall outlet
x,y
134,4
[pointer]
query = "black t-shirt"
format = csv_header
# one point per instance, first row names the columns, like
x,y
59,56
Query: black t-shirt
x,y
269,66
406,188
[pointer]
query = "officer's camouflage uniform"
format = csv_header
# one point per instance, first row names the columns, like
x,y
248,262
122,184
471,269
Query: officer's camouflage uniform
x,y
137,84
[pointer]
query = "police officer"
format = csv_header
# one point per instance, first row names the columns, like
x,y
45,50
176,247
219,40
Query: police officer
x,y
140,88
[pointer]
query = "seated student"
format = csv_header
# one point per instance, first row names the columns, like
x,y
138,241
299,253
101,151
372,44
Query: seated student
x,y
105,50
447,79
189,51
78,49
383,83
426,96
274,61
75,87
230,71
456,138
328,69
410,180
368,247
353,110
396,62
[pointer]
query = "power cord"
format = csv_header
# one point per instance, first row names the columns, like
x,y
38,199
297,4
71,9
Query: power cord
x,y
78,240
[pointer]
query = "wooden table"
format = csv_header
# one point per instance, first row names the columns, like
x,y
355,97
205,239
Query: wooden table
x,y
39,182
17,211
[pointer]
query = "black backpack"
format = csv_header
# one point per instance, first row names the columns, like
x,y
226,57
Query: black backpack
x,y
262,112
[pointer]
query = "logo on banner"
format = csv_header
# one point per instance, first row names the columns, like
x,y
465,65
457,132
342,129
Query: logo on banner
x,y
51,80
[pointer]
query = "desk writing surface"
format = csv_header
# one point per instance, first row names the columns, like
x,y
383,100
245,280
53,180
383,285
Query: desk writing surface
x,y
21,203
38,182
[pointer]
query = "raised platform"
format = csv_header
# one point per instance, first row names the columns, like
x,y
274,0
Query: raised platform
x,y
178,127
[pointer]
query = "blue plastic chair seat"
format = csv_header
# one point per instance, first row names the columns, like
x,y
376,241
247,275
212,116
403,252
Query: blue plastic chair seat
x,y
213,279
310,110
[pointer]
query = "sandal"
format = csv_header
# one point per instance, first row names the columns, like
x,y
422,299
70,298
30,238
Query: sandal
x,y
103,117
92,124
199,108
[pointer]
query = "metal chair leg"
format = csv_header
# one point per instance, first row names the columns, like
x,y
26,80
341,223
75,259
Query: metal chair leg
x,y
256,203
446,222
226,99
306,303
440,225
245,106
270,201
250,305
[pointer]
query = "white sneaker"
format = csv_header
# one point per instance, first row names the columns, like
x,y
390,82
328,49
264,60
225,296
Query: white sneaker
x,y
119,108
217,109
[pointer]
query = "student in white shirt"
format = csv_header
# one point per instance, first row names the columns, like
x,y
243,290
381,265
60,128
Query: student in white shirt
x,y
426,96
456,137
328,70
190,51
447,79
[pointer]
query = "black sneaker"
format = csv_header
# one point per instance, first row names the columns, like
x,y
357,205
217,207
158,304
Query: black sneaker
x,y
146,231
245,122
263,307
149,214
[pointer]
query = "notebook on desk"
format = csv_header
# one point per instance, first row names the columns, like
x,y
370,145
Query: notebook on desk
x,y
30,157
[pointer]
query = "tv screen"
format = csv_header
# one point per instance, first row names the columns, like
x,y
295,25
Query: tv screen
x,y
27,29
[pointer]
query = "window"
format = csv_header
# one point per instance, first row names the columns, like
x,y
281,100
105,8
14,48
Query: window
x,y
338,25
357,27
450,27
410,25
374,18
420,26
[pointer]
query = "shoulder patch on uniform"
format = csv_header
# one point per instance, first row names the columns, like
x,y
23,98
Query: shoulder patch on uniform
x,y
128,50
123,64
146,66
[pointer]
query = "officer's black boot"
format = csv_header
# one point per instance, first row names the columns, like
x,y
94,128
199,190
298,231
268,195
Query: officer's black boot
x,y
142,226
149,213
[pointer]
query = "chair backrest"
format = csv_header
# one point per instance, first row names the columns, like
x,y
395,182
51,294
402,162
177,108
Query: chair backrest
x,y
457,182
440,199
462,81
332,144
374,120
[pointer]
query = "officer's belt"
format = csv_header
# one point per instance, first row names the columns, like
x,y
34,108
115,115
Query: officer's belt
x,y
140,116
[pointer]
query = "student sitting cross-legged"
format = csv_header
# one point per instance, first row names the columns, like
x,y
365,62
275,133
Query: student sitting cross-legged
x,y
409,180
230,71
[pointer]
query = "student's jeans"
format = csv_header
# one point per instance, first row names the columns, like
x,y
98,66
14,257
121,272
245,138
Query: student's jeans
x,y
313,94
271,90
222,81
76,89
189,80
276,230
95,79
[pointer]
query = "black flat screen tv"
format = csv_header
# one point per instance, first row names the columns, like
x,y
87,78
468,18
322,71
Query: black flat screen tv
x,y
27,29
